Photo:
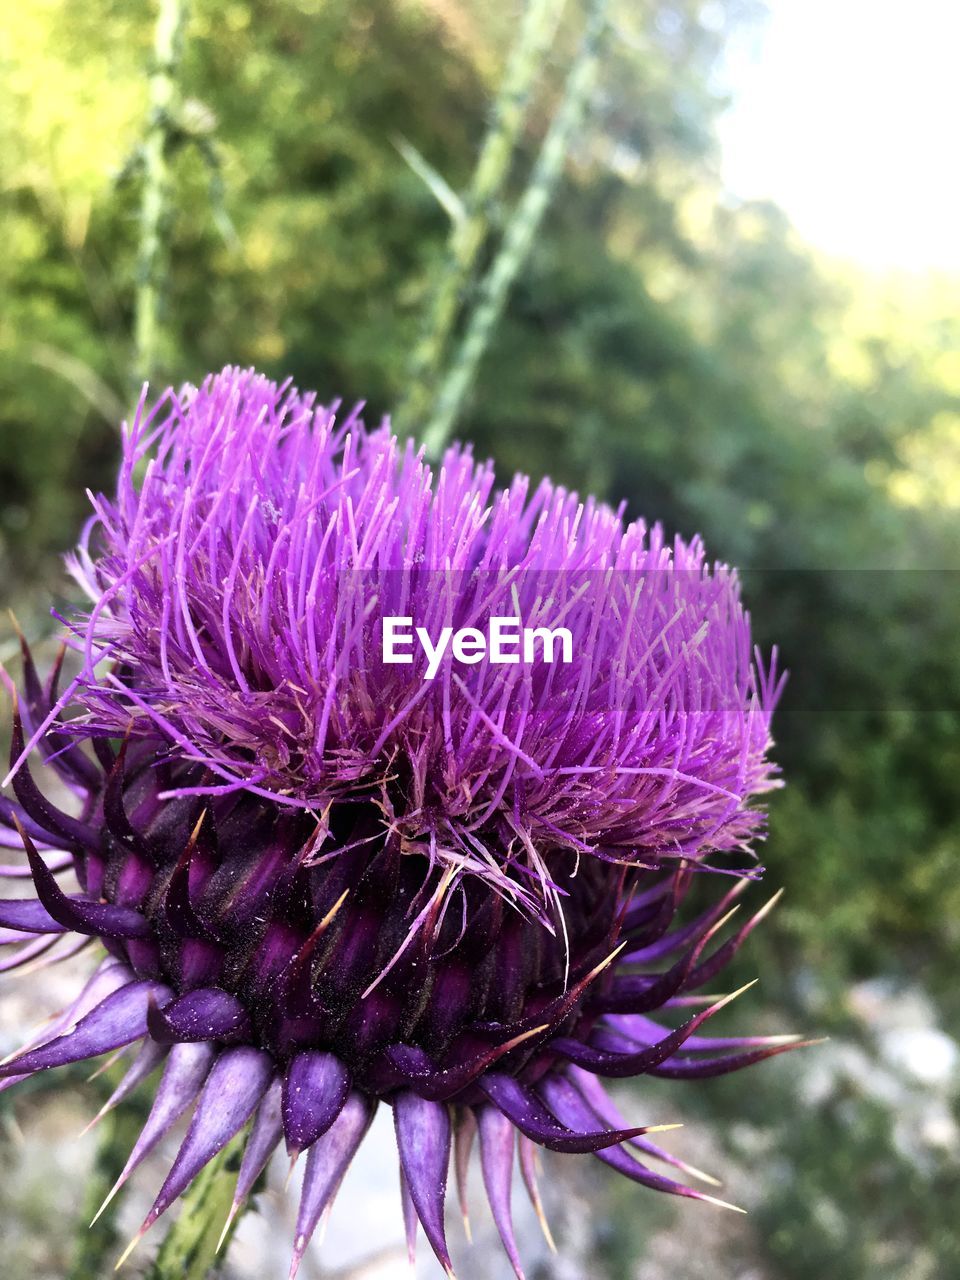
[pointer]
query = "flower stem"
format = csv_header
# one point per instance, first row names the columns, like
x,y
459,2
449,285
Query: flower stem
x,y
472,230
189,1249
518,237
155,205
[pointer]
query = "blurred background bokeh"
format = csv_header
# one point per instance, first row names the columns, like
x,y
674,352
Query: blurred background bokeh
x,y
741,316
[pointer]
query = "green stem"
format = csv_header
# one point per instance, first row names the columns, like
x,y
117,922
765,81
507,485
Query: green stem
x,y
189,1249
518,237
155,207
471,231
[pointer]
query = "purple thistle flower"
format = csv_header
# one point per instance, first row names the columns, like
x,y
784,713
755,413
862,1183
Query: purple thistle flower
x,y
324,880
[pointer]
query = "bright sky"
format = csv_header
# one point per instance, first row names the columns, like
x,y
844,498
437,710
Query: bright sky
x,y
847,114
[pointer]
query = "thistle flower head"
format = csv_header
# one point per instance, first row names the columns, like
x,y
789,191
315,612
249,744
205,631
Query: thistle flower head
x,y
325,879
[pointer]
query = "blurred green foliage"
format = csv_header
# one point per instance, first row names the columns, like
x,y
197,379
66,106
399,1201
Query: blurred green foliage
x,y
666,345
